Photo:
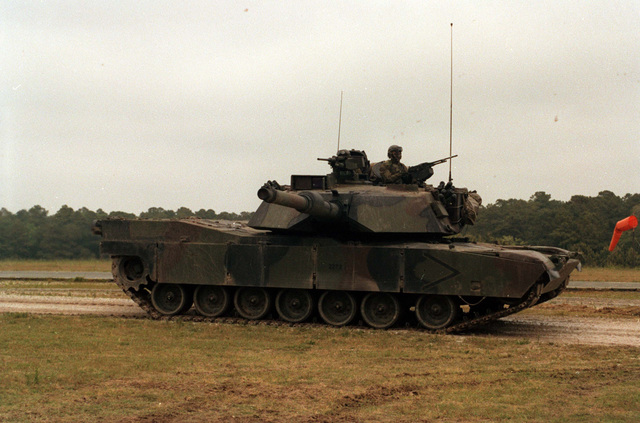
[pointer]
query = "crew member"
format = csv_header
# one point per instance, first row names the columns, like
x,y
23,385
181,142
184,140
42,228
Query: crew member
x,y
393,171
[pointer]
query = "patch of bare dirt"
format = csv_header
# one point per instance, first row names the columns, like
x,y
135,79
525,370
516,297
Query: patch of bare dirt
x,y
571,330
69,305
595,302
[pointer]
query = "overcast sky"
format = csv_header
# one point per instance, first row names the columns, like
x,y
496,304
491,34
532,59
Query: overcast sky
x,y
125,105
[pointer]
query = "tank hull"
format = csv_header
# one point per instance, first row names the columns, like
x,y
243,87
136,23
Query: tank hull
x,y
198,253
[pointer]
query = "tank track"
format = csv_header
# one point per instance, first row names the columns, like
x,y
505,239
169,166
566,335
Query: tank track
x,y
142,297
530,301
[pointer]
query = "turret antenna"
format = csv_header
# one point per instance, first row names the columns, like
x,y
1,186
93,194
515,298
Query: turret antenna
x,y
340,121
451,106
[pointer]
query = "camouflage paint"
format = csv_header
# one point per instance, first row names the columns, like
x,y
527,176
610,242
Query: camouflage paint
x,y
341,233
199,252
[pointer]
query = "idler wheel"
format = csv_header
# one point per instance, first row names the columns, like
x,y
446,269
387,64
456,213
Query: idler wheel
x,y
252,303
294,305
132,268
130,271
436,311
211,300
337,308
380,310
170,299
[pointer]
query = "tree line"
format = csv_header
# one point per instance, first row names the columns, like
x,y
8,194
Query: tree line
x,y
34,234
582,224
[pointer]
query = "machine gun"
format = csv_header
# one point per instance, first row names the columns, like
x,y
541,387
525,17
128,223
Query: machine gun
x,y
423,171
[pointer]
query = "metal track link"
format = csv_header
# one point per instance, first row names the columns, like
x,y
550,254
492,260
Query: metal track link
x,y
484,319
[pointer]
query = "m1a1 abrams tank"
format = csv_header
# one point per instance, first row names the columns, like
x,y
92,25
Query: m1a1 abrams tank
x,y
335,246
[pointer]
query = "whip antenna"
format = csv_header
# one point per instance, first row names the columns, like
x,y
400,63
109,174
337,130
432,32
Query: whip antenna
x,y
450,106
340,121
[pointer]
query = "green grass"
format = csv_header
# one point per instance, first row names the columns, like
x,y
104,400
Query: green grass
x,y
57,265
67,369
36,284
607,274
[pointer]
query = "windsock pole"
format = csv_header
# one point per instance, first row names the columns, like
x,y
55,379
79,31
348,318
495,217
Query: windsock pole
x,y
623,225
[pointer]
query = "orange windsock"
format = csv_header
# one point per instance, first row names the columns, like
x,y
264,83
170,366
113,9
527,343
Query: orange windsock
x,y
623,225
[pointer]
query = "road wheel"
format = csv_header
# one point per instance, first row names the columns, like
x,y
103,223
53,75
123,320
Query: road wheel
x,y
380,310
171,299
252,303
294,305
211,300
337,308
436,311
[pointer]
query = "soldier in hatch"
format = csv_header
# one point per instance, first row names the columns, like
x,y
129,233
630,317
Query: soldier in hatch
x,y
393,171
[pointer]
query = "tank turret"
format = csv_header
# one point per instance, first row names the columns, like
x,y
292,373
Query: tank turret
x,y
352,200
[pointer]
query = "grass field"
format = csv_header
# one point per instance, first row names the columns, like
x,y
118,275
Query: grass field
x,y
69,368
607,274
64,369
57,265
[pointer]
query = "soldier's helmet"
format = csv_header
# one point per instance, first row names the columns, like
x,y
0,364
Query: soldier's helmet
x,y
393,148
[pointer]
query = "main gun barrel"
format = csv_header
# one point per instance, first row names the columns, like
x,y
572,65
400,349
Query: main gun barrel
x,y
309,202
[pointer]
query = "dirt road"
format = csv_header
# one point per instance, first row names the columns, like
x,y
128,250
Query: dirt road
x,y
70,305
569,330
602,330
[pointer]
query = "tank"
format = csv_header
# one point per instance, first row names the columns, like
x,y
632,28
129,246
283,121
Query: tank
x,y
337,248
